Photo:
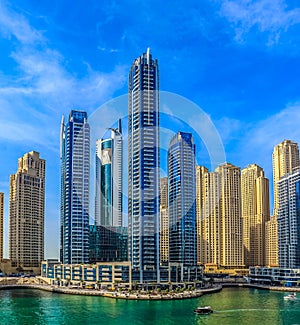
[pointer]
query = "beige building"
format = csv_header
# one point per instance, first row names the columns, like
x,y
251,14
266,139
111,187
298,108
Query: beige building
x,y
285,159
203,229
221,223
1,224
255,214
164,221
271,255
231,252
26,212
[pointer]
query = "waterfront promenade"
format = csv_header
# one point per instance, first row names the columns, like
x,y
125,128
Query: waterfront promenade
x,y
134,295
33,283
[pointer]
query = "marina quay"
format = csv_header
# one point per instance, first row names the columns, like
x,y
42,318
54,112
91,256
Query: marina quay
x,y
275,276
102,274
112,275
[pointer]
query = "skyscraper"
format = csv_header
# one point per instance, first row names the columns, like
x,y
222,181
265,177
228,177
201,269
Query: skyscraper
x,y
285,160
255,214
164,221
202,179
209,217
108,239
143,166
75,178
182,199
26,212
289,220
108,203
271,239
221,225
1,224
231,254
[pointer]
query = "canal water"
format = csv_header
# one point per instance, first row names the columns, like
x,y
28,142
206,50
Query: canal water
x,y
231,306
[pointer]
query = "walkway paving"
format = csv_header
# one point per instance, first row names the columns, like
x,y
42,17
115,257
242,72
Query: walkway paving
x,y
141,295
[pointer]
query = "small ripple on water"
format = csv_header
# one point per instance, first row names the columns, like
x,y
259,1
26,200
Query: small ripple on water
x,y
232,306
242,310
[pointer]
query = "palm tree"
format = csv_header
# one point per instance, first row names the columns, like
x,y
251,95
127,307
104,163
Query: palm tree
x,y
97,284
134,285
81,283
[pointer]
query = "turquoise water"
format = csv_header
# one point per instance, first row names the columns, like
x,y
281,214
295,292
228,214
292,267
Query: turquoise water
x,y
231,306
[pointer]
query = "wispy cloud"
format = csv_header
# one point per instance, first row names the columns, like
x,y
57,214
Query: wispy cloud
x,y
254,142
13,131
43,87
15,25
109,50
276,128
272,17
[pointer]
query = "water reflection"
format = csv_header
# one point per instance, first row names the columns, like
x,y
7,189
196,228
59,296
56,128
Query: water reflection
x,y
231,306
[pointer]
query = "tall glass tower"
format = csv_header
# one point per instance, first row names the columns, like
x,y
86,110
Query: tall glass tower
x,y
108,239
143,167
75,179
182,199
289,220
108,203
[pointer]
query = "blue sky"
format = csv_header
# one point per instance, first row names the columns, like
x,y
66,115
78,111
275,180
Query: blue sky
x,y
238,60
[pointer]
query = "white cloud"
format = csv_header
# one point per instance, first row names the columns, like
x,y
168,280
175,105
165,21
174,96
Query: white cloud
x,y
15,25
270,16
109,50
276,128
248,143
21,132
43,87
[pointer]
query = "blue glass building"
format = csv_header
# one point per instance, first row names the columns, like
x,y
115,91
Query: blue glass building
x,y
289,220
143,167
109,190
182,199
75,179
108,244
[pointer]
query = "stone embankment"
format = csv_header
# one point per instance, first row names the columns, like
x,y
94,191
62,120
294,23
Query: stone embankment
x,y
4,285
114,294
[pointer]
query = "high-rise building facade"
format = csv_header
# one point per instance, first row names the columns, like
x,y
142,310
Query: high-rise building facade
x,y
221,222
203,229
164,221
289,220
75,181
108,239
209,217
109,203
255,214
107,244
143,166
285,160
231,252
26,212
271,240
182,199
1,224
